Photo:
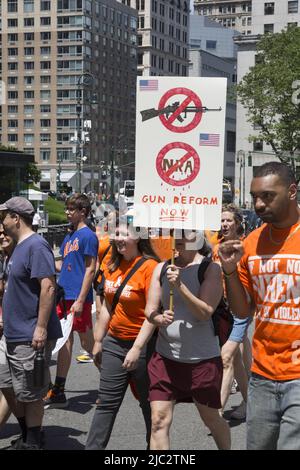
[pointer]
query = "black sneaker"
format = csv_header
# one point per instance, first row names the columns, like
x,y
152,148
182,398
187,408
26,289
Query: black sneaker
x,y
17,443
55,399
26,446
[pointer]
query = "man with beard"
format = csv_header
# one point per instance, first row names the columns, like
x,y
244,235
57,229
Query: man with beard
x,y
262,275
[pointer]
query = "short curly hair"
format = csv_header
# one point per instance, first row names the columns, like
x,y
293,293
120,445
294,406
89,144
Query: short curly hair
x,y
237,215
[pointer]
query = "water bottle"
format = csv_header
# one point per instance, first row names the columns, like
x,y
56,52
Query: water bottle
x,y
39,369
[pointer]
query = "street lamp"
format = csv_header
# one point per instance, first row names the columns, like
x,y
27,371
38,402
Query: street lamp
x,y
241,160
84,80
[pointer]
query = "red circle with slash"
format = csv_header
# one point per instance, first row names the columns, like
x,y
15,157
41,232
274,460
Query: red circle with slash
x,y
190,97
166,175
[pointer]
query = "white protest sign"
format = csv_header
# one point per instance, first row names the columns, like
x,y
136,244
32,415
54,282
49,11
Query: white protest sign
x,y
66,326
179,152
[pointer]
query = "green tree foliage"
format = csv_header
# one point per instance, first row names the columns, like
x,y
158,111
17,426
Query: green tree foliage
x,y
270,92
33,174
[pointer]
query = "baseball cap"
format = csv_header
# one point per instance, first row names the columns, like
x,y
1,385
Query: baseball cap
x,y
18,204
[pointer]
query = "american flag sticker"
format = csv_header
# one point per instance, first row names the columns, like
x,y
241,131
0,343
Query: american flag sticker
x,y
212,140
148,85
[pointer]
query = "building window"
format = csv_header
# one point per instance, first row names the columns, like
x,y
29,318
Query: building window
x,y
269,8
12,37
230,141
12,51
45,108
46,50
45,122
28,123
12,95
12,66
45,65
12,137
28,50
12,80
46,79
28,22
45,20
28,65
45,5
12,6
28,94
28,36
12,123
268,28
12,109
258,146
28,138
29,80
44,155
211,44
45,94
45,137
293,6
28,109
28,6
45,35
12,23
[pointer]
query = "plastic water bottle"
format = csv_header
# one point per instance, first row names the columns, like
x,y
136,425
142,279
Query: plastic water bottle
x,y
39,369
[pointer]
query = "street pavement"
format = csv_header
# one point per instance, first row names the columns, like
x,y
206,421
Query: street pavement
x,y
68,428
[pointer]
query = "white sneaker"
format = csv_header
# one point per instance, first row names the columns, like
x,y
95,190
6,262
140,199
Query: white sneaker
x,y
239,412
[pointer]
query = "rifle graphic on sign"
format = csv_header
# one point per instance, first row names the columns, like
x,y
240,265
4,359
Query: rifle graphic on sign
x,y
152,112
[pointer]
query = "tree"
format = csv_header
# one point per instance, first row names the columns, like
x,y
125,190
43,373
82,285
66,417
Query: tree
x,y
33,174
270,92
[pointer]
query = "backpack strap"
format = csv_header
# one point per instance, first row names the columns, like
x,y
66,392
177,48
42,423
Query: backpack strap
x,y
202,269
117,295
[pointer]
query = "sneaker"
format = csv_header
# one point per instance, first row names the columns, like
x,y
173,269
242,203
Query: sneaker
x,y
55,399
84,358
17,443
234,387
239,412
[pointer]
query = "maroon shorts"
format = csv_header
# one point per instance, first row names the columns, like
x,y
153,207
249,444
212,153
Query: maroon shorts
x,y
185,382
82,323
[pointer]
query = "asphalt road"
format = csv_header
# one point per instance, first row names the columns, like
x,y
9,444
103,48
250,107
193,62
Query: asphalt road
x,y
67,429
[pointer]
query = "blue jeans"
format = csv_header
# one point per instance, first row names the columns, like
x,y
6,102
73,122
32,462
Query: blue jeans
x,y
273,414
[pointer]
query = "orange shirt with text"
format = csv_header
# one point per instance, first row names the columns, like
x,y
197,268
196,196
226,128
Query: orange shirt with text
x,y
129,315
271,274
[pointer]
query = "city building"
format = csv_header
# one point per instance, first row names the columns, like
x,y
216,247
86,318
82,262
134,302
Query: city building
x,y
204,64
212,37
70,71
235,14
213,54
162,36
267,17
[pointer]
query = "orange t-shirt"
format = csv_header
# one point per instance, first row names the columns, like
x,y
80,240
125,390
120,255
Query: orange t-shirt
x,y
271,274
103,245
129,315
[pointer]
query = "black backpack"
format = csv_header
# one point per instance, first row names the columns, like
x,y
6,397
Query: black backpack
x,y
222,318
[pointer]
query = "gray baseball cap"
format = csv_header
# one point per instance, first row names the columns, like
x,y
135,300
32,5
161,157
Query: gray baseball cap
x,y
18,204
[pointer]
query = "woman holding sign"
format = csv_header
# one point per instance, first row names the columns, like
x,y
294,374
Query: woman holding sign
x,y
187,365
119,331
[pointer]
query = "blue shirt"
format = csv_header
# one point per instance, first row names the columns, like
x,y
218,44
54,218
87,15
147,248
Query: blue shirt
x,y
32,259
75,247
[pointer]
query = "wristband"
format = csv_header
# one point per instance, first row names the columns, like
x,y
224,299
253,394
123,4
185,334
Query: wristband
x,y
229,274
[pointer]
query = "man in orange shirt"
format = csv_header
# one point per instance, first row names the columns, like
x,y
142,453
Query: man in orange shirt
x,y
267,280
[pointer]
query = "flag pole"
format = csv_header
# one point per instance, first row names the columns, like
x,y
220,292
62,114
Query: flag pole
x,y
171,305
